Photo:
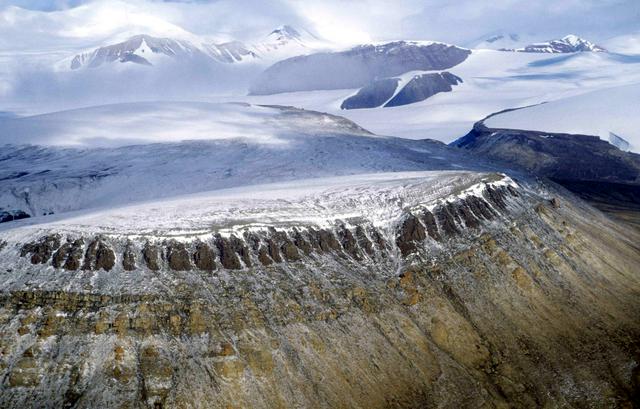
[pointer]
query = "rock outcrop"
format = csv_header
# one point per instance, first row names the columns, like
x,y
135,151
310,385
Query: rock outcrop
x,y
273,245
372,95
381,91
424,86
9,216
590,167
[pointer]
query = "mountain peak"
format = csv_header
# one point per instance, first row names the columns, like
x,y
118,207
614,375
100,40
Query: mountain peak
x,y
581,44
285,32
573,39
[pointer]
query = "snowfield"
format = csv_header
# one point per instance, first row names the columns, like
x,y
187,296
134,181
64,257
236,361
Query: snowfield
x,y
157,122
595,113
493,81
150,151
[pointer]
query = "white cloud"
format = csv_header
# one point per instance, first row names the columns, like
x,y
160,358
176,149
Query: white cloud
x,y
363,20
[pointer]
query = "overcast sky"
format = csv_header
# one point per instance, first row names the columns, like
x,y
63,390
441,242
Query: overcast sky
x,y
352,21
39,37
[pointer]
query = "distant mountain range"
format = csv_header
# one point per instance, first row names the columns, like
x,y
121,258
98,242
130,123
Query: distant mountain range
x,y
521,42
149,50
568,44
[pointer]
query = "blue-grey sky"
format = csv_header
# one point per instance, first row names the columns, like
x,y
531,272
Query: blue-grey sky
x,y
447,20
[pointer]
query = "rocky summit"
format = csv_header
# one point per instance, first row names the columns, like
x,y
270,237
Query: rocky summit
x,y
406,290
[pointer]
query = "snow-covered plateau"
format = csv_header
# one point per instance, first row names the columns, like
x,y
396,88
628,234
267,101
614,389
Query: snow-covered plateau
x,y
117,154
612,110
378,197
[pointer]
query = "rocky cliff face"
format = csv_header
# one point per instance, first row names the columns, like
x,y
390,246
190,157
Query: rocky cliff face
x,y
595,169
491,294
558,156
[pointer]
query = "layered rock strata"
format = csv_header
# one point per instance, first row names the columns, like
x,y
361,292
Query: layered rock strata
x,y
499,296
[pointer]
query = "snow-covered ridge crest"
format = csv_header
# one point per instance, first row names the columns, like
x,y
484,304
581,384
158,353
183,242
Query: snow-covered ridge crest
x,y
495,181
363,217
143,48
379,197
598,113
391,44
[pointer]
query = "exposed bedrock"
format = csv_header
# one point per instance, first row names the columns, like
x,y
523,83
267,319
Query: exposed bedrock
x,y
558,156
596,170
419,88
424,86
495,298
9,216
372,95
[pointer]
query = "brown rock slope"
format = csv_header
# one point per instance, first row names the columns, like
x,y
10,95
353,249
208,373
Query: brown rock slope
x,y
500,298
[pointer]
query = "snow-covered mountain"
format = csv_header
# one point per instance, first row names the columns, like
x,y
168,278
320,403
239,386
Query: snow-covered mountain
x,y
177,300
191,245
568,44
143,49
356,67
286,41
147,50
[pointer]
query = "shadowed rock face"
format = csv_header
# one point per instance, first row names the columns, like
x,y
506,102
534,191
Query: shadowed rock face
x,y
424,86
204,257
128,258
417,89
9,216
42,250
151,257
356,67
372,95
177,257
594,169
558,156
496,298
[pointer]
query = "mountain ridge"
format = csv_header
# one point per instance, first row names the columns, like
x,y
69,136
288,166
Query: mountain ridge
x,y
282,41
568,44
